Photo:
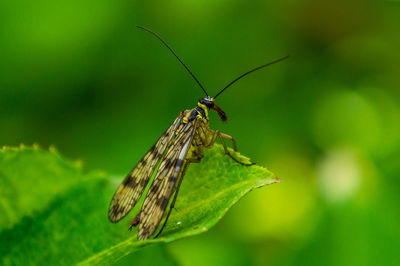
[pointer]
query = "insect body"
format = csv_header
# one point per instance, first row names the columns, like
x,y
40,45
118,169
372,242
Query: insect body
x,y
181,144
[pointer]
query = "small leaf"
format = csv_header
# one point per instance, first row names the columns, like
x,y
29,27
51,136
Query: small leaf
x,y
73,227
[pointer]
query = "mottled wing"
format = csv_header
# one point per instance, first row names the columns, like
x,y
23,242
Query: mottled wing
x,y
163,185
133,185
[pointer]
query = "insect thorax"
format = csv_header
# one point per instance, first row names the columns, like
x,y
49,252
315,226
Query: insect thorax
x,y
196,113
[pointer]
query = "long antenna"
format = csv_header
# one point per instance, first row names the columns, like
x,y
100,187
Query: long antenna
x,y
172,51
248,72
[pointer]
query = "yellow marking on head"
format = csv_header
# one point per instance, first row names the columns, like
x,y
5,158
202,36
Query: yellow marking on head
x,y
202,106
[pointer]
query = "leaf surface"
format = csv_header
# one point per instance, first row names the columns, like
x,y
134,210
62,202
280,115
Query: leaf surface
x,y
70,225
29,179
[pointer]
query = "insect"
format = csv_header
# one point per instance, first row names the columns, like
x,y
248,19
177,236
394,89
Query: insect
x,y
181,144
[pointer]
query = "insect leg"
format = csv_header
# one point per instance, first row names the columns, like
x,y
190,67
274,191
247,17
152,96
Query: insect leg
x,y
213,138
223,136
230,155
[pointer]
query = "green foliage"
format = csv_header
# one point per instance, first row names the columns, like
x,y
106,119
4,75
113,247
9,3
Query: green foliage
x,y
29,179
54,213
81,76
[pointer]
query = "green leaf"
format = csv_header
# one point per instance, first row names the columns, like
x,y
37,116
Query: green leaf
x,y
73,227
156,254
29,179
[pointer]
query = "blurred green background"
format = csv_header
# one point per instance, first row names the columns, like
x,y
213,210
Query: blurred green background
x,y
78,75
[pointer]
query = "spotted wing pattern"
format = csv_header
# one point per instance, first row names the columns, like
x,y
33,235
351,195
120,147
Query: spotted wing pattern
x,y
163,185
133,185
